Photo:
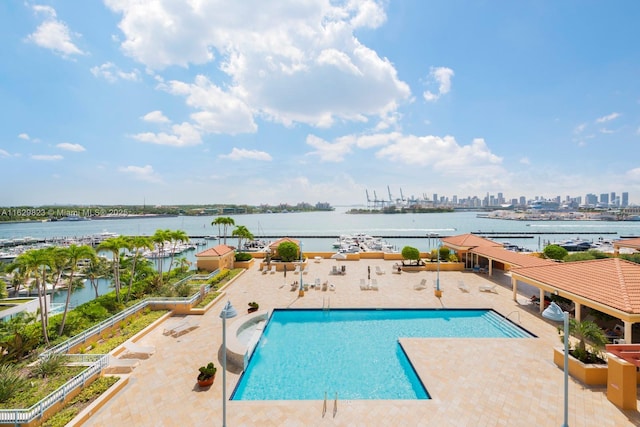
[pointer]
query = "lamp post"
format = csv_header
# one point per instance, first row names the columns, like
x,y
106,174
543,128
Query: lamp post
x,y
301,290
227,313
438,292
555,313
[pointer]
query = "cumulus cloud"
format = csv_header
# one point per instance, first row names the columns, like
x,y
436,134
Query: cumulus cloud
x,y
633,175
219,111
442,77
71,147
607,118
288,61
111,73
580,128
4,153
142,173
330,152
47,157
240,154
156,117
54,34
182,135
24,136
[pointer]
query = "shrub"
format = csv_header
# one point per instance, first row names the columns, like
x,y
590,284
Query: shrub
x,y
183,289
243,256
10,381
48,365
411,253
288,251
555,252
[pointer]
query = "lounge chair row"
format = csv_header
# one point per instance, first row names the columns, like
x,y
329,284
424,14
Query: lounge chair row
x,y
372,285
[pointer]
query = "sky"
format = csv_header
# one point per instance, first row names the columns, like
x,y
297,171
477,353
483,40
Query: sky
x,y
251,102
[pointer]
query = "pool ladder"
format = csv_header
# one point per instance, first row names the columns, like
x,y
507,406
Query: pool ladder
x,y
326,303
335,405
516,312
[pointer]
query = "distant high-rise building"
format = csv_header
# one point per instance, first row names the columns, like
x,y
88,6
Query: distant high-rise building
x,y
612,198
435,198
523,201
604,199
625,200
591,199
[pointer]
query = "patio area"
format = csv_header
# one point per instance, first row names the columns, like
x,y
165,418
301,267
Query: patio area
x,y
488,382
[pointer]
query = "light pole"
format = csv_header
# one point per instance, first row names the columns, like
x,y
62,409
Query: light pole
x,y
301,290
555,313
438,292
227,313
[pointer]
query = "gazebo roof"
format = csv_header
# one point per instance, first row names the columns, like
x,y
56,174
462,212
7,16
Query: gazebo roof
x,y
468,241
215,251
515,259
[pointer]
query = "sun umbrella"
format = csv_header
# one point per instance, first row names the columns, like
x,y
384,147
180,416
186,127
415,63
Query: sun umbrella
x,y
338,256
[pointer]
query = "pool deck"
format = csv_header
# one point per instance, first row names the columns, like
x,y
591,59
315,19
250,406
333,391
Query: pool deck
x,y
472,382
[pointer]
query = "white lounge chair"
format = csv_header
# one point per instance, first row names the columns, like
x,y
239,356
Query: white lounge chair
x,y
133,348
121,365
317,283
374,285
265,269
297,270
463,286
363,285
334,270
182,328
421,285
325,284
332,287
488,288
273,269
379,270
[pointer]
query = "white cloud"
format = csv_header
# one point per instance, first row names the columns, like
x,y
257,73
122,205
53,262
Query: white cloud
x,y
4,153
142,173
607,118
71,147
219,111
24,136
53,34
442,76
525,161
110,72
156,117
633,175
47,157
287,61
580,128
183,135
607,131
329,152
240,154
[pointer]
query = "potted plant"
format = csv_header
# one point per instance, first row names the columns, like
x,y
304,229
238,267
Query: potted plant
x,y
585,362
207,375
253,306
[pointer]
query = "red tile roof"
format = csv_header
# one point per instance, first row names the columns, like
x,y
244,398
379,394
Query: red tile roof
x,y
627,243
468,241
611,282
215,251
514,259
275,244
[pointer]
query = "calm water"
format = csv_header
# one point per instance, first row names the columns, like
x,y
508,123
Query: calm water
x,y
333,224
305,353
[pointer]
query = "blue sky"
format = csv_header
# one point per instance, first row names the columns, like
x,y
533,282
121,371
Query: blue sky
x,y
198,102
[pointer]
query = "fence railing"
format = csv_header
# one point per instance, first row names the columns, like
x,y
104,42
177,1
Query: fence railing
x,y
22,416
95,362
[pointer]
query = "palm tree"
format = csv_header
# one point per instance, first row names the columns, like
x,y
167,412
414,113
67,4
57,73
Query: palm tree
x,y
225,221
242,233
136,244
160,238
182,264
74,254
35,263
99,267
114,245
175,237
58,256
587,331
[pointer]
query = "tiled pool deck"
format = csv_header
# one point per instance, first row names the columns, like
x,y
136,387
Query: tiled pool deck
x,y
473,382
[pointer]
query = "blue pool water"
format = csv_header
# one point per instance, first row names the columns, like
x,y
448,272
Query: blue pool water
x,y
304,353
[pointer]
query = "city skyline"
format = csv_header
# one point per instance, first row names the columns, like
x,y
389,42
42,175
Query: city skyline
x,y
176,102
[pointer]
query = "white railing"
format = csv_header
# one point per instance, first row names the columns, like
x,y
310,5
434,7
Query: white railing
x,y
21,416
95,362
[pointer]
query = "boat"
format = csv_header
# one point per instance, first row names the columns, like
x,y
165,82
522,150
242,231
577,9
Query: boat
x,y
576,245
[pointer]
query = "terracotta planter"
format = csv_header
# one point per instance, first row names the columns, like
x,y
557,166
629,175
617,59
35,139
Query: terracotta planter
x,y
437,293
587,373
207,382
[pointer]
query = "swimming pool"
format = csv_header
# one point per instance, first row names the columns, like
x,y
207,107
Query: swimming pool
x,y
304,353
